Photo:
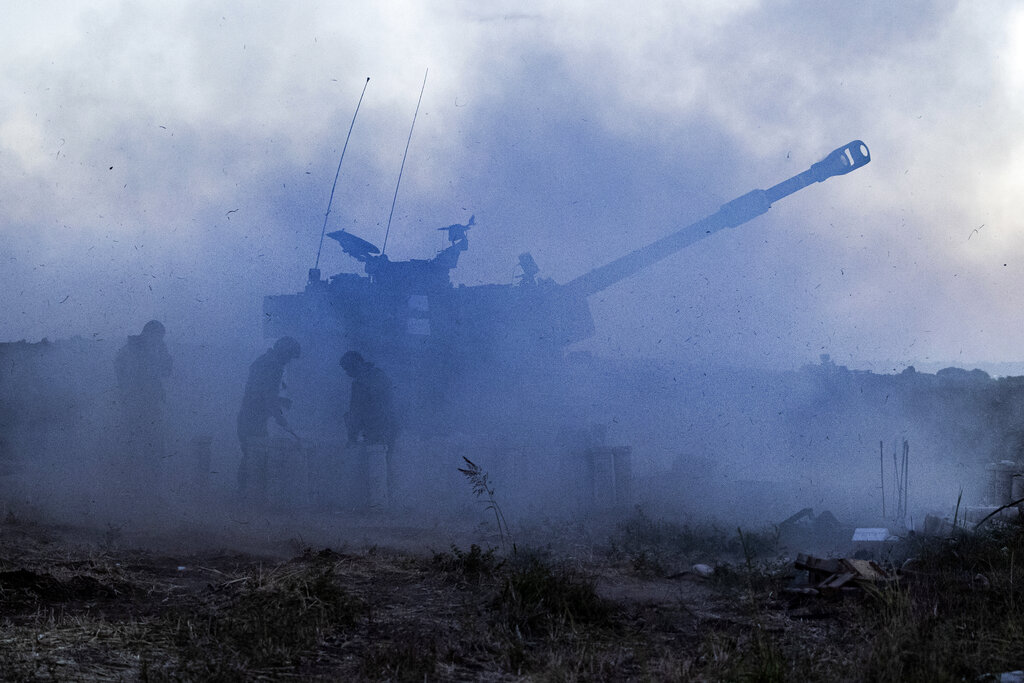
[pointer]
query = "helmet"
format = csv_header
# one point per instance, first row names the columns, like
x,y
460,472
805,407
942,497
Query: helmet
x,y
153,328
350,360
288,347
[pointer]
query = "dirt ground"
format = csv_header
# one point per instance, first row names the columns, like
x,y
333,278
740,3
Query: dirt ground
x,y
417,604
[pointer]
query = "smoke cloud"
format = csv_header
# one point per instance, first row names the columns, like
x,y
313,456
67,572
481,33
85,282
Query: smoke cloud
x,y
174,162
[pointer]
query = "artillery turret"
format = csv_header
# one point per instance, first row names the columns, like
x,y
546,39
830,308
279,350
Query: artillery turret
x,y
408,315
460,347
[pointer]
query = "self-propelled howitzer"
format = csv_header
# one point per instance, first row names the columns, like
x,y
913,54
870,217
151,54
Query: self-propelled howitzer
x,y
407,315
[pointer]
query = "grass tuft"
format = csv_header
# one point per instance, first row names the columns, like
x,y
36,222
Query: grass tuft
x,y
659,547
263,620
536,598
474,564
482,488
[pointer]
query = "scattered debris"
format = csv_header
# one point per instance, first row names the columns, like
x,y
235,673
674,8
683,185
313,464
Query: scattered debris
x,y
831,576
872,542
872,535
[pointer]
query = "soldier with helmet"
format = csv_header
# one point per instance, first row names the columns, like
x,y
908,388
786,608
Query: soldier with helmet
x,y
371,417
371,420
262,401
141,365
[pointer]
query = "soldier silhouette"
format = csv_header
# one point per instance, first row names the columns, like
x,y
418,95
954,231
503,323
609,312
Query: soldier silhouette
x,y
142,364
371,417
262,401
371,420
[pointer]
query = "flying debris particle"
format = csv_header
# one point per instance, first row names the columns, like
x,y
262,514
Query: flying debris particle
x,y
111,168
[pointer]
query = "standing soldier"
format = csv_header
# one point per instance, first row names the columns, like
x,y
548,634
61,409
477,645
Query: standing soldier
x,y
371,417
142,364
372,422
262,401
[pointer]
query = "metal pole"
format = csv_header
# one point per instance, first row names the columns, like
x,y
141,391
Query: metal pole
x,y
384,246
338,172
906,476
881,464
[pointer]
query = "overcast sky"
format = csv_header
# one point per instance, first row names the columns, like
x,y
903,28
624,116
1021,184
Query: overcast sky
x,y
174,160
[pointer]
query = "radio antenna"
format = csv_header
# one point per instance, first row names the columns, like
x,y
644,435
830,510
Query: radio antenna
x,y
336,174
399,183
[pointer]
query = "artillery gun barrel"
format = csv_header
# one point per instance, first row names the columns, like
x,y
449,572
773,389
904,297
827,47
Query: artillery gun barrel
x,y
839,162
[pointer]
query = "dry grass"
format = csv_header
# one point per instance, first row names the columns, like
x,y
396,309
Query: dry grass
x,y
83,611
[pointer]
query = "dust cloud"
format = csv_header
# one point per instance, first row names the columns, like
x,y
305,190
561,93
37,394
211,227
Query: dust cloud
x,y
563,438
